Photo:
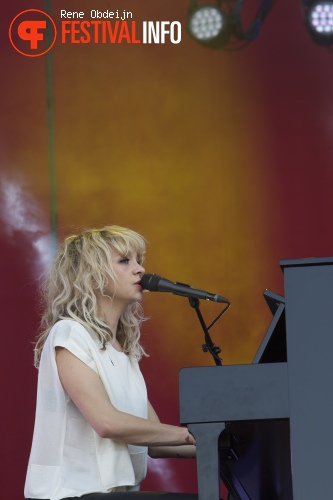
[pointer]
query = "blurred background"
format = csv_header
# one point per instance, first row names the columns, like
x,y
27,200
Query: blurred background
x,y
222,159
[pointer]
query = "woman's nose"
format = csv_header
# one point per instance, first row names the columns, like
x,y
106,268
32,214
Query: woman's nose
x,y
140,269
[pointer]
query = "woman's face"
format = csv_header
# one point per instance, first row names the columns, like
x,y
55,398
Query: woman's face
x,y
129,272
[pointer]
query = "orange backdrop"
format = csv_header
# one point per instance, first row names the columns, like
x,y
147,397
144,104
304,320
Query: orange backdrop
x,y
221,159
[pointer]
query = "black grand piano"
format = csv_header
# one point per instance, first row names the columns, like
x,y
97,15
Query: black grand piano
x,y
266,429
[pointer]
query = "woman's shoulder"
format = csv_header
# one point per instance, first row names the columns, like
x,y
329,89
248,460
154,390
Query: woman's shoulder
x,y
68,324
68,328
72,335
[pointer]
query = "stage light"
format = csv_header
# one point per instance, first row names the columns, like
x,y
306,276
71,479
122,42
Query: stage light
x,y
319,20
208,25
219,24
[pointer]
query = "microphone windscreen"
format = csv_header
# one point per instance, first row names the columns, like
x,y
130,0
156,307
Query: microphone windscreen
x,y
150,282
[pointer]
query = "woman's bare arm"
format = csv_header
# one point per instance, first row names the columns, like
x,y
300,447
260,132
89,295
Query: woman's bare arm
x,y
169,451
86,390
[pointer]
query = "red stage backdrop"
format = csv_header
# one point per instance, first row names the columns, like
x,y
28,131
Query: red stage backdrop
x,y
223,160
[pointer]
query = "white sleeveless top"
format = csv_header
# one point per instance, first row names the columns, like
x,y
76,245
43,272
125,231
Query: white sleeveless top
x,y
68,458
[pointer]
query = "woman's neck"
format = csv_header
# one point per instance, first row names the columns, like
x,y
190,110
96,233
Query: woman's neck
x,y
110,311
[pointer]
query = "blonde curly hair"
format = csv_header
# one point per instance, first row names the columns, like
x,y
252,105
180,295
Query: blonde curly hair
x,y
82,266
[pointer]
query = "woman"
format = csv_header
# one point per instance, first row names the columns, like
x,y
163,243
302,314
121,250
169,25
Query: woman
x,y
94,423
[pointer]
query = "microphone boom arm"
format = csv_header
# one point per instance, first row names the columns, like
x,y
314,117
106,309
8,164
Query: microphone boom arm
x,y
209,345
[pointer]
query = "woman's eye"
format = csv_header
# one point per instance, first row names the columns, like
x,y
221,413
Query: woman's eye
x,y
124,261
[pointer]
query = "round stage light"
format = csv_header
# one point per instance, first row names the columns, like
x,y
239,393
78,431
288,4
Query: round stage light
x,y
320,18
206,24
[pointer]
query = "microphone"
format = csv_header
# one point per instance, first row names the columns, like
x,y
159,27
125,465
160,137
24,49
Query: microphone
x,y
155,283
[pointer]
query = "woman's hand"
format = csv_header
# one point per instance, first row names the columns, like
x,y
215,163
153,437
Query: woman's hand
x,y
187,451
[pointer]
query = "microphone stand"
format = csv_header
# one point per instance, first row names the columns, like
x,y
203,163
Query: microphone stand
x,y
209,345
